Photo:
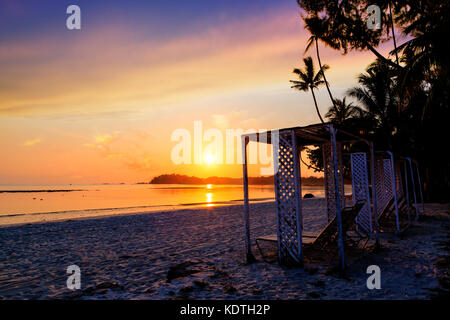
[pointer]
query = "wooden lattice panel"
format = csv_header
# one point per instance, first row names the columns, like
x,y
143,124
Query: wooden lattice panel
x,y
383,183
379,186
398,180
287,186
360,187
330,189
387,178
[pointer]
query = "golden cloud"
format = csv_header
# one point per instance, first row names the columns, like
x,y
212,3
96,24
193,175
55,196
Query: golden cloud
x,y
32,142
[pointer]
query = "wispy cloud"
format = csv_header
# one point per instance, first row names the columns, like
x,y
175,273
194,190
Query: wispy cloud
x,y
33,142
129,72
102,141
131,149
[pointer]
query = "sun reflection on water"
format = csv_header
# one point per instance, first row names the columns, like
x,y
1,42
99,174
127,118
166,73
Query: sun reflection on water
x,y
209,199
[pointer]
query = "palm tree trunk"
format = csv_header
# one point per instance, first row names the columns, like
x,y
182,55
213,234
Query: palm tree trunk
x,y
393,32
323,73
315,103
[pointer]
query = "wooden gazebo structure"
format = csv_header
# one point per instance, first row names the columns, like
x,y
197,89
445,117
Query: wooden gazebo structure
x,y
287,144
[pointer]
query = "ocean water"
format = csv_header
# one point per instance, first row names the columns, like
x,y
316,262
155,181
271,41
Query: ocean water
x,y
34,203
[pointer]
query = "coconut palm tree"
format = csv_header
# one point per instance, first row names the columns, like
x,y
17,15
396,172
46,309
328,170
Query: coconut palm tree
x,y
309,80
341,111
377,97
316,29
314,39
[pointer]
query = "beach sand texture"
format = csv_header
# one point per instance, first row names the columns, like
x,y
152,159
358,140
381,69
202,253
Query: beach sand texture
x,y
129,257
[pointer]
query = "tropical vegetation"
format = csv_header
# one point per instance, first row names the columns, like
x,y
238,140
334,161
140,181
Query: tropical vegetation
x,y
402,100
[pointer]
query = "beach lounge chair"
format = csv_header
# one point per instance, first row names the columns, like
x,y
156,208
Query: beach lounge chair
x,y
389,210
327,235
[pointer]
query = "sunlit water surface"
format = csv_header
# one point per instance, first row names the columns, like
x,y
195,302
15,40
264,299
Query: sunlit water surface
x,y
84,201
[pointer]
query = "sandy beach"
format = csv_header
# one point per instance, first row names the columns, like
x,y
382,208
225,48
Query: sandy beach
x,y
198,254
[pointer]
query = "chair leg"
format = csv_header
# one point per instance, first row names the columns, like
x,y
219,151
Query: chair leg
x,y
259,249
365,244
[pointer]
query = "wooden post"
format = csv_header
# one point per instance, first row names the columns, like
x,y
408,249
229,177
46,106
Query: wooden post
x,y
338,200
374,189
325,175
248,251
407,193
413,187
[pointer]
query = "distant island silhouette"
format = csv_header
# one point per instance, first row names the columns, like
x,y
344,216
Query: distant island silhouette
x,y
184,179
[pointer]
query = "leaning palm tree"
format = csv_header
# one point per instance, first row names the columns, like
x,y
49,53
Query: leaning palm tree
x,y
393,33
341,111
309,80
316,29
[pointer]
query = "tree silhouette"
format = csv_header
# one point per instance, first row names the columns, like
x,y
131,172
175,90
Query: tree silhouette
x,y
316,29
344,25
404,102
377,97
343,111
309,80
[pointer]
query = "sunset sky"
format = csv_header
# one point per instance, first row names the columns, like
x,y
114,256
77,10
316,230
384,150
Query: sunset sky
x,y
100,104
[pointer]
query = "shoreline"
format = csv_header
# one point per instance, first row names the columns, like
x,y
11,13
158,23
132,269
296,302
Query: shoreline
x,y
39,191
178,207
113,215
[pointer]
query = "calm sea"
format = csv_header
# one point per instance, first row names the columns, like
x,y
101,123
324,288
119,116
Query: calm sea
x,y
29,204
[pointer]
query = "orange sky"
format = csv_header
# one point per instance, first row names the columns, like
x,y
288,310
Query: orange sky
x,y
100,105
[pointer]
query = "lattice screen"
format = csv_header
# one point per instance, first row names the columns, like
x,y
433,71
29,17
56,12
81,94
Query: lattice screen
x,y
340,173
360,186
379,186
387,178
383,183
287,186
330,191
398,180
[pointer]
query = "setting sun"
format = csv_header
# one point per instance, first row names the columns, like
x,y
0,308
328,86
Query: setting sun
x,y
209,158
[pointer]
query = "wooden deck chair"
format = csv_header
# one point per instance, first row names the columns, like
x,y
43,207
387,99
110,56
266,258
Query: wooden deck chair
x,y
389,210
325,236
329,233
